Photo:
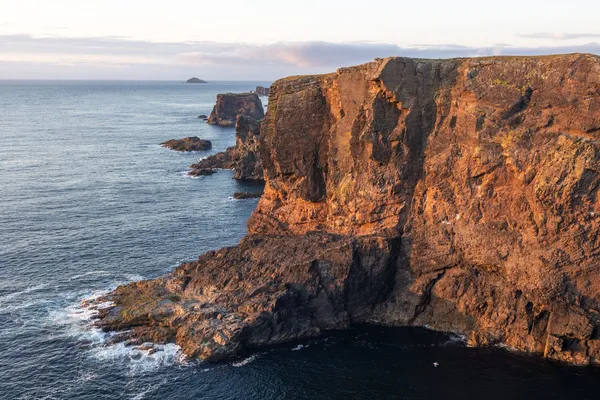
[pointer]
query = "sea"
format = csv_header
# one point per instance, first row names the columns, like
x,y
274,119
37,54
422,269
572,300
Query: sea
x,y
89,200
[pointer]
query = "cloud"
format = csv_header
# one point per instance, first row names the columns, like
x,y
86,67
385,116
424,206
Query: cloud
x,y
24,56
559,36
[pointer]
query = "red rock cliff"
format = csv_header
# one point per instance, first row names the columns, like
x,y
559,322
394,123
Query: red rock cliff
x,y
457,194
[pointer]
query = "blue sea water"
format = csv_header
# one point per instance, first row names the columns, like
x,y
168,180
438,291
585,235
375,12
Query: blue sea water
x,y
89,200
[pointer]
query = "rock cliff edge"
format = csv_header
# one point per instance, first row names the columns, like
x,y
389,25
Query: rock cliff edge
x,y
457,194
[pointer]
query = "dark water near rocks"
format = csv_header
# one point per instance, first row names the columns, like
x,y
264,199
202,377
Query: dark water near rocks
x,y
88,200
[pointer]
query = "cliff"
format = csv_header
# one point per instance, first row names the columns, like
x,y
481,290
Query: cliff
x,y
243,158
230,105
457,194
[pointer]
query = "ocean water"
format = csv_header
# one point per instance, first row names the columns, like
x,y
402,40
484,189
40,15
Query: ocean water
x,y
89,200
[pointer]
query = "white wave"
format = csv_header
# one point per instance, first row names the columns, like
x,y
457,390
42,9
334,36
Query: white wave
x,y
133,278
100,272
299,347
140,361
24,305
245,361
455,339
76,322
4,299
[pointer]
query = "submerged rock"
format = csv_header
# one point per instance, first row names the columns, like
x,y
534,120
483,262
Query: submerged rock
x,y
193,143
456,194
230,105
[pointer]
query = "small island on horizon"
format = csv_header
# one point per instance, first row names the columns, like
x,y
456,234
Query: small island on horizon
x,y
195,80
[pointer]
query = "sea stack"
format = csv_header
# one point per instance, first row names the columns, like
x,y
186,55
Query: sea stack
x,y
461,195
230,105
262,91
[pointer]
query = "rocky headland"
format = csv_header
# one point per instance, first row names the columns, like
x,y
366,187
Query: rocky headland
x,y
243,158
230,105
455,194
192,143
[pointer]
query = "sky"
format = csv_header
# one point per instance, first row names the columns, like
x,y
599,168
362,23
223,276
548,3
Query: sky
x,y
269,39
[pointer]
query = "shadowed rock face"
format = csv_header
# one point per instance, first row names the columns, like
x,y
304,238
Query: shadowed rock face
x,y
457,194
230,105
243,158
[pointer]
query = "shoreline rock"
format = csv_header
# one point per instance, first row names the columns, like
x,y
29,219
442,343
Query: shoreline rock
x,y
455,194
230,105
244,157
192,143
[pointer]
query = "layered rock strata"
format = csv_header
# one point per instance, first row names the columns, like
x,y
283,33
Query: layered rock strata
x,y
456,194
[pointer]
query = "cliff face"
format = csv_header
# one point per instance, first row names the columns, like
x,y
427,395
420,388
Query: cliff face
x,y
243,158
230,105
457,194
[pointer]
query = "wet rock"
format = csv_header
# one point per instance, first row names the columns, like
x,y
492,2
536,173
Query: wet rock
x,y
193,143
202,116
230,105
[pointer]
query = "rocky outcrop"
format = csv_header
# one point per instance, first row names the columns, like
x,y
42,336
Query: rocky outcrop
x,y
230,105
195,80
193,143
262,91
456,194
246,195
243,158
